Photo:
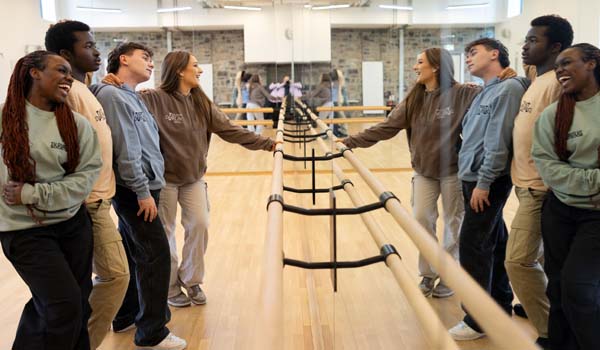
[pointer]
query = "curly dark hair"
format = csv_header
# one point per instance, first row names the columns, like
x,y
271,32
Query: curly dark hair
x,y
558,29
60,35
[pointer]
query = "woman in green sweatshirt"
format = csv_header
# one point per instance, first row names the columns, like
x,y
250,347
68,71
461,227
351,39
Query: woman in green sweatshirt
x,y
50,161
566,152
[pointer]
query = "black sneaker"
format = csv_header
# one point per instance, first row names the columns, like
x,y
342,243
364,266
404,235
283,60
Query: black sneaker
x,y
426,285
544,343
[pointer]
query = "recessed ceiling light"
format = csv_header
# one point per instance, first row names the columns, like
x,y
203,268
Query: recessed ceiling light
x,y
330,7
173,9
396,7
467,6
99,9
246,8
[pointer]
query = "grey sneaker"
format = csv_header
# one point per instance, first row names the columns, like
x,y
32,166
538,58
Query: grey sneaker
x,y
442,291
180,300
196,295
426,285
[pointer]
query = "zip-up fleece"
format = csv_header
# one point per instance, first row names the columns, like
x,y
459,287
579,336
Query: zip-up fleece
x,y
575,182
185,134
258,94
434,130
55,195
137,161
320,95
486,149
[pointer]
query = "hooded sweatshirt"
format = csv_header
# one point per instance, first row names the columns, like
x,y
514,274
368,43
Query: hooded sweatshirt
x,y
137,161
434,130
185,134
486,149
55,196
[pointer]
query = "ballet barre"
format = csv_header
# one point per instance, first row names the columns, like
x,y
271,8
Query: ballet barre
x,y
494,321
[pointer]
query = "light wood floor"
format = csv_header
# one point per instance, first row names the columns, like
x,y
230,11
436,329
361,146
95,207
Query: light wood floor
x,y
369,310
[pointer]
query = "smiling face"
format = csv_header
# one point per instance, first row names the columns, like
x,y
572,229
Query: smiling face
x,y
426,73
572,72
191,74
54,81
536,49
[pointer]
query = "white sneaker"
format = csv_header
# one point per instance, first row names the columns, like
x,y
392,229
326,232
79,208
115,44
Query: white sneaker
x,y
462,331
171,342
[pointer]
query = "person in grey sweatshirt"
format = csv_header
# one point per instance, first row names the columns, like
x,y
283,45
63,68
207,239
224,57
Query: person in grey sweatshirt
x,y
483,167
139,170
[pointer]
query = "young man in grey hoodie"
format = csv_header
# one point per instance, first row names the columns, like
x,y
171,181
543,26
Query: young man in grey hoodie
x,y
139,171
484,168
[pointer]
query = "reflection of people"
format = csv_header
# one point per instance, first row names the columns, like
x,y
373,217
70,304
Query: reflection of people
x,y
50,161
139,170
75,43
320,96
258,97
548,36
484,168
339,97
566,151
241,93
432,114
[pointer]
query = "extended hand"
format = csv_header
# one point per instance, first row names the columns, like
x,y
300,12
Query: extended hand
x,y
12,193
148,207
478,199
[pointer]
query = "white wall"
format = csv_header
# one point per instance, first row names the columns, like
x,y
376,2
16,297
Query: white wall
x,y
584,16
21,26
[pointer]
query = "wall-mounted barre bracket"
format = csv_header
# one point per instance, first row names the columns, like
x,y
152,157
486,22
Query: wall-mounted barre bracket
x,y
386,250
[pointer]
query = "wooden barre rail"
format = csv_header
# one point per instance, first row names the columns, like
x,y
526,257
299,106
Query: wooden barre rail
x,y
435,330
494,321
246,110
327,121
353,108
270,314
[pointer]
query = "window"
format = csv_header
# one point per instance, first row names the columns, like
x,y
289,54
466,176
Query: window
x,y
48,10
515,8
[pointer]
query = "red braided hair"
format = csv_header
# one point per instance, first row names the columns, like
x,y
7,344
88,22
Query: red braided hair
x,y
15,130
566,105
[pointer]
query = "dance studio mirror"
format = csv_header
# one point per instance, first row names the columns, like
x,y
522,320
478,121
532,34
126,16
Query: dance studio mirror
x,y
348,64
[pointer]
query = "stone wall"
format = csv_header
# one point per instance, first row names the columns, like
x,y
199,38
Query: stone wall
x,y
350,47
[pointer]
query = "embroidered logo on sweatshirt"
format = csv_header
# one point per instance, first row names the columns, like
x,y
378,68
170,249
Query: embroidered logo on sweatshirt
x,y
574,134
441,113
57,145
175,118
139,117
484,110
525,107
100,115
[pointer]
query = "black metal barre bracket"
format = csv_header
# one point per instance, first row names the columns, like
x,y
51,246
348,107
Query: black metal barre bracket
x,y
328,156
306,140
386,196
318,190
304,136
297,131
307,122
323,211
385,251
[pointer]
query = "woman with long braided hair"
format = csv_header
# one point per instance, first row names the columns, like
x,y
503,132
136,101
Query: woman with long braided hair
x,y
50,160
566,151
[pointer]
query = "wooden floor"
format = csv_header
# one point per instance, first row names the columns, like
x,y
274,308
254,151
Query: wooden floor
x,y
369,310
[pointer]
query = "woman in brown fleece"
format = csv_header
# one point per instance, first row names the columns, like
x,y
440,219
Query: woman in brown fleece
x,y
186,119
431,114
